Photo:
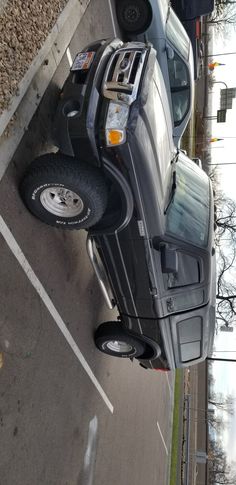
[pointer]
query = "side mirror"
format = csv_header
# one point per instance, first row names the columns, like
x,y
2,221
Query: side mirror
x,y
170,52
169,259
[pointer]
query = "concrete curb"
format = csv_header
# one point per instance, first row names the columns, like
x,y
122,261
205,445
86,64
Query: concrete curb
x,y
36,80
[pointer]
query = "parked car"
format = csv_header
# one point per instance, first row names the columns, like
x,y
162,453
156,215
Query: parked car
x,y
191,9
156,22
191,13
147,208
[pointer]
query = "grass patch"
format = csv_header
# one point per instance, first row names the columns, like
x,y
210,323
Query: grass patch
x,y
188,138
175,430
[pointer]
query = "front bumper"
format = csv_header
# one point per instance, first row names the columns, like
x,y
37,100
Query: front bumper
x,y
77,135
114,76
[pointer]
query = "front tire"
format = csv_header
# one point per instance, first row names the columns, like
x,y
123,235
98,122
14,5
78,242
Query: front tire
x,y
64,192
134,16
111,339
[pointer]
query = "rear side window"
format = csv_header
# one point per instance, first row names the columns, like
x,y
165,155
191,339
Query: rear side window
x,y
180,103
190,351
190,338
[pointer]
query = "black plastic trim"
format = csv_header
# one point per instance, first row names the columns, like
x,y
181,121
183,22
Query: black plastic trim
x,y
127,201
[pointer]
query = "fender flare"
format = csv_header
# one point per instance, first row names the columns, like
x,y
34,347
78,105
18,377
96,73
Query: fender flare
x,y
126,197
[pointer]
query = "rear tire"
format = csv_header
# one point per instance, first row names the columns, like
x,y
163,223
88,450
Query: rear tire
x,y
64,192
111,339
134,16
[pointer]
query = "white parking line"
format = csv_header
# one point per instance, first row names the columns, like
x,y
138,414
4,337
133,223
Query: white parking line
x,y
112,18
168,382
163,441
16,250
91,452
69,57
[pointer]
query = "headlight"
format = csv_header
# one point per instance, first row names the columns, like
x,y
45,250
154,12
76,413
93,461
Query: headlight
x,y
116,121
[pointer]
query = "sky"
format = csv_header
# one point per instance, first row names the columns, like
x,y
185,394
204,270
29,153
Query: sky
x,y
225,151
224,374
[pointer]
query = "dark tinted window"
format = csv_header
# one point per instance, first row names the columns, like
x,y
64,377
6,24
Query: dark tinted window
x,y
188,272
190,351
190,336
190,330
180,104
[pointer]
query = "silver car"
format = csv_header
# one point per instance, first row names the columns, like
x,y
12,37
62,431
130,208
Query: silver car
x,y
156,22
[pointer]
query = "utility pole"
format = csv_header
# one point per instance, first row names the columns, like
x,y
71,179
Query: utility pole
x,y
222,54
222,163
221,360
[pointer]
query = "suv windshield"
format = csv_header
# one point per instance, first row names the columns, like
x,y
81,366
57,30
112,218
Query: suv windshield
x,y
187,217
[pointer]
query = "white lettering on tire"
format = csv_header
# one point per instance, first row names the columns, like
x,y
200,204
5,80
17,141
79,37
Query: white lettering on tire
x,y
44,186
76,222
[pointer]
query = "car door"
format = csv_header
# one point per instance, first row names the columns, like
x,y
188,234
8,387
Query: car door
x,y
183,288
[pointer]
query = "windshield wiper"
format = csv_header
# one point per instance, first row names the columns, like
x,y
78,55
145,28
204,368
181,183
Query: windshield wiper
x,y
168,12
172,192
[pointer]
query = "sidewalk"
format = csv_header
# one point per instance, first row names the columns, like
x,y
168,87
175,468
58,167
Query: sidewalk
x,y
188,461
25,78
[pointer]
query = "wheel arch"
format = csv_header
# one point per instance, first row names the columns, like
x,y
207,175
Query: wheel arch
x,y
126,196
154,346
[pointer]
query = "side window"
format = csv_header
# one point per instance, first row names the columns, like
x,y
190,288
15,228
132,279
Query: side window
x,y
178,72
180,104
188,272
190,337
179,86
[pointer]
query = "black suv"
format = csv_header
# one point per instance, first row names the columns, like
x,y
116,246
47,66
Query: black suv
x,y
148,208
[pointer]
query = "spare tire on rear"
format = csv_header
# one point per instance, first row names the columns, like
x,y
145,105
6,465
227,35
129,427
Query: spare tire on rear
x,y
134,16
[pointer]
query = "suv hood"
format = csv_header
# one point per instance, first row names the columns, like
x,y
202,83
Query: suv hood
x,y
153,131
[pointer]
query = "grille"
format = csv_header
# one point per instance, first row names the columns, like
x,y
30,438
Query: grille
x,y
123,73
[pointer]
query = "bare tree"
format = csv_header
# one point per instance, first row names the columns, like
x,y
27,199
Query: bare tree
x,y
223,15
226,290
226,217
225,220
216,422
220,472
221,402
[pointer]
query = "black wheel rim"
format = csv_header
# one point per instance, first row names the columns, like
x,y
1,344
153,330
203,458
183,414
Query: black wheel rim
x,y
131,14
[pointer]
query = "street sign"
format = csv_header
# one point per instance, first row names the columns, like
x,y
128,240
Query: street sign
x,y
201,457
226,98
221,115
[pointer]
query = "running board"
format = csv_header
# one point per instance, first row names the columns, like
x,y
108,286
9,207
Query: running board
x,y
93,258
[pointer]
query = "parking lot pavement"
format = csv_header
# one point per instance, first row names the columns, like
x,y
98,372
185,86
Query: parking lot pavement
x,y
68,414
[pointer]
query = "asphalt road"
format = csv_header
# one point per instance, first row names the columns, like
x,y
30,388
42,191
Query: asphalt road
x,y
68,414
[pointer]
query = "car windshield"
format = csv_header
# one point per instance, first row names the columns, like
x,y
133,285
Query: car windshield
x,y
176,35
187,217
